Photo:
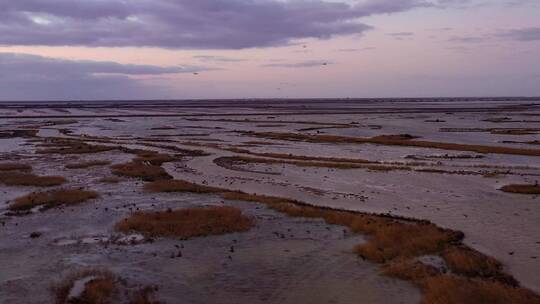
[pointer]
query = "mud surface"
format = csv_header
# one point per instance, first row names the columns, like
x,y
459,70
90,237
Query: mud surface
x,y
282,259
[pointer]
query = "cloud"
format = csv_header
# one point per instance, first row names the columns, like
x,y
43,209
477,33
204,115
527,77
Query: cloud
x,y
352,50
186,24
467,39
458,48
31,77
523,34
401,34
303,64
206,58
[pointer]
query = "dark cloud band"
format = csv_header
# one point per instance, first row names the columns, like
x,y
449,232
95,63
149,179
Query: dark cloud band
x,y
200,24
30,77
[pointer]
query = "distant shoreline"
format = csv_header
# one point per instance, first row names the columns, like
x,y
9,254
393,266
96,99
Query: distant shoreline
x,y
8,103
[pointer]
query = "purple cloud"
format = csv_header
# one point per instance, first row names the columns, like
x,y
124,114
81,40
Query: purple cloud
x,y
202,24
30,77
523,34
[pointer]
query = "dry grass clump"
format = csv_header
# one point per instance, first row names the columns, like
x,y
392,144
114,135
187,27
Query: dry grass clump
x,y
471,263
187,223
141,170
232,163
393,140
98,291
393,239
259,143
394,137
28,179
163,128
458,290
100,288
154,158
25,133
301,157
147,166
409,270
514,131
52,198
88,164
74,147
14,167
144,296
522,189
235,163
532,142
453,289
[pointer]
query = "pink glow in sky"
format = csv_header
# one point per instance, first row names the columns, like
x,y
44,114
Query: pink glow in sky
x,y
142,49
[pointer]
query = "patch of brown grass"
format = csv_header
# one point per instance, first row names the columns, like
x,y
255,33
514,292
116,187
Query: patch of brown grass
x,y
163,128
153,158
449,289
99,290
326,128
259,143
532,142
389,241
235,163
301,157
471,263
75,147
298,122
28,179
88,164
522,189
140,170
453,289
394,137
514,131
391,140
52,198
232,162
187,223
144,296
100,287
26,133
15,167
409,270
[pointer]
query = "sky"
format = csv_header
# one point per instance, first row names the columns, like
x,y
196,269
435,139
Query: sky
x,y
200,49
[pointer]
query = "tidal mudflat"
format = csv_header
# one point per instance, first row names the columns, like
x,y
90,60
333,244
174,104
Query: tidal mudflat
x,y
325,201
